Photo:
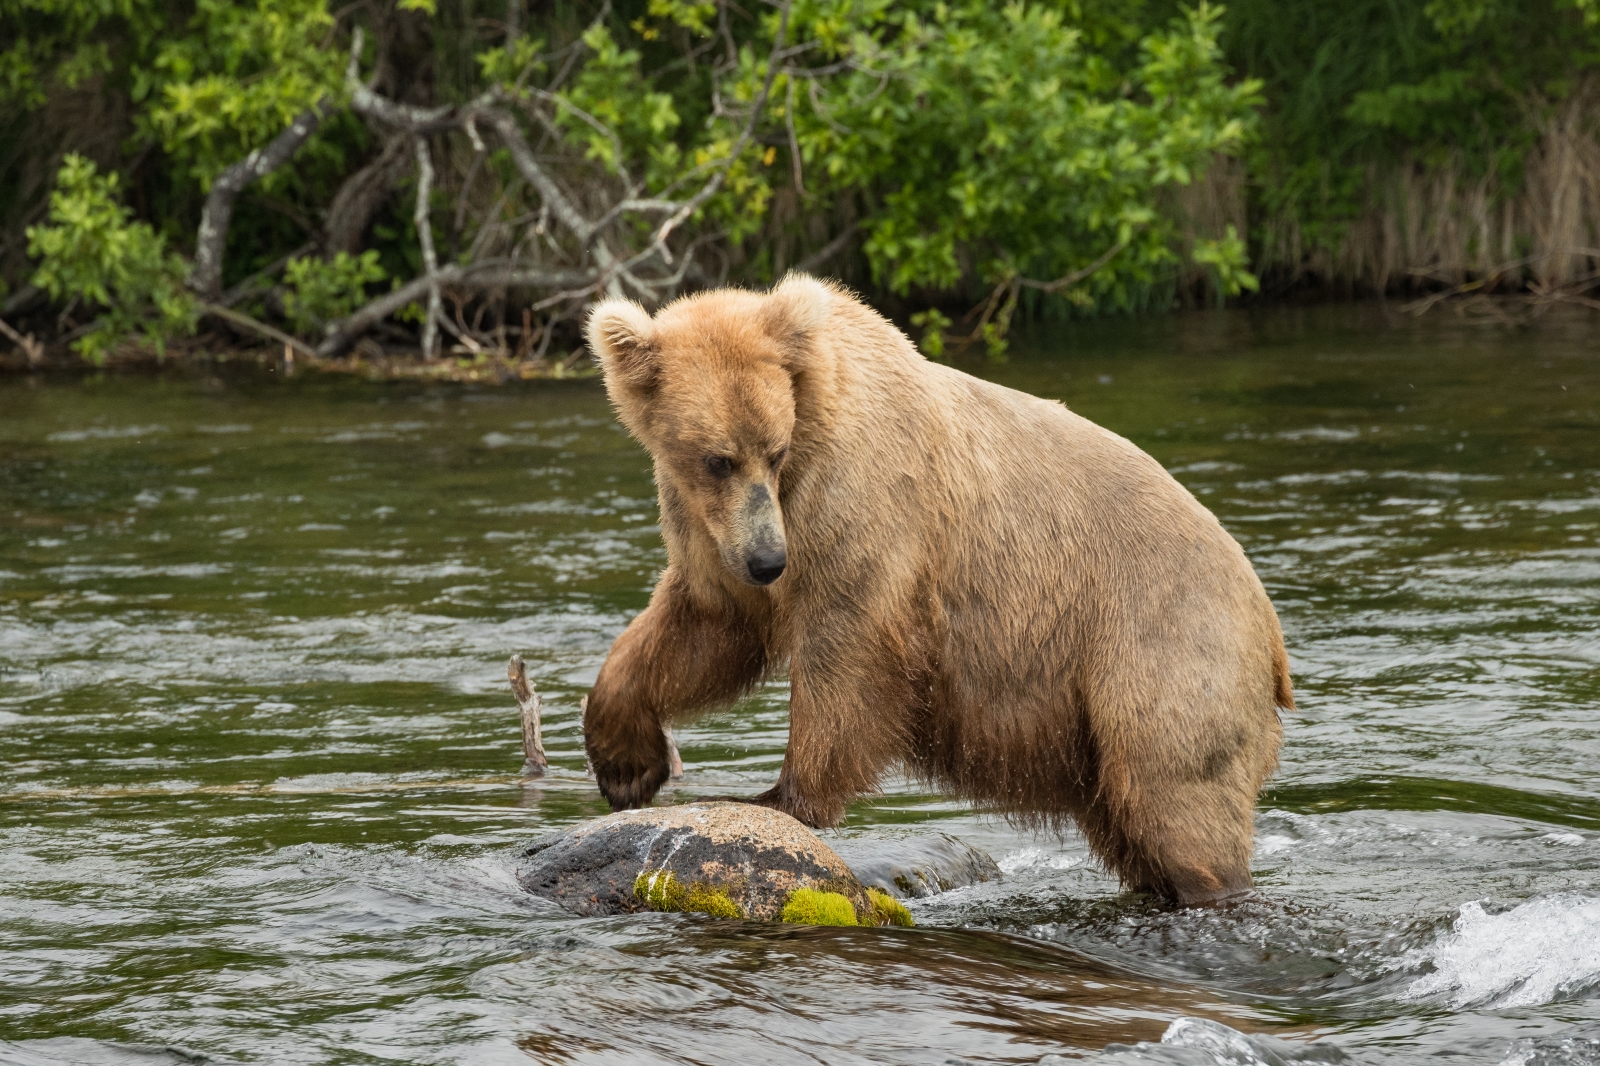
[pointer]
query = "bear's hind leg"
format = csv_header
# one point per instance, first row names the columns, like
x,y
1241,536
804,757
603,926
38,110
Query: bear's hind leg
x,y
1189,841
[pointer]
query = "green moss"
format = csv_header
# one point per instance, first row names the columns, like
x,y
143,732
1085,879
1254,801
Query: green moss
x,y
664,892
809,906
886,910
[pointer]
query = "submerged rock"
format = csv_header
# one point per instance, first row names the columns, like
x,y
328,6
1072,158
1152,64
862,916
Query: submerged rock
x,y
915,865
731,860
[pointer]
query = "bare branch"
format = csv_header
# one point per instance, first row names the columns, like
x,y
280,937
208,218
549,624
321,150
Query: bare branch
x,y
829,250
30,346
217,215
794,144
430,258
341,334
1068,280
19,300
594,124
535,175
535,764
252,325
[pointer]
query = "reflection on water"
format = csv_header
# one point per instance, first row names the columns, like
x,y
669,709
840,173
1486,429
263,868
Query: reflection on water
x,y
257,765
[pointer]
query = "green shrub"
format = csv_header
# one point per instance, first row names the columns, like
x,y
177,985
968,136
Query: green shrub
x,y
321,290
92,250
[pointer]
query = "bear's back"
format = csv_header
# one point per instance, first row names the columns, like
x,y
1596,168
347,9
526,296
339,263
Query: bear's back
x,y
1051,540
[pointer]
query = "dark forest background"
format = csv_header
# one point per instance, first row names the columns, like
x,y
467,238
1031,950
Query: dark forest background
x,y
462,178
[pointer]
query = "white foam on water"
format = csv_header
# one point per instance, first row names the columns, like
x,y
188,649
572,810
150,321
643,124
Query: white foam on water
x,y
1203,1042
73,436
1217,1040
1272,843
1553,1051
1028,857
1544,950
1568,840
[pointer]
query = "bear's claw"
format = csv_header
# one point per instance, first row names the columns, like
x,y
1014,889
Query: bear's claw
x,y
628,787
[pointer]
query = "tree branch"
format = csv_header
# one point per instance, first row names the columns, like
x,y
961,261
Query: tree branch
x,y
534,764
215,218
1069,280
30,346
430,258
829,250
535,175
341,334
251,325
715,181
19,300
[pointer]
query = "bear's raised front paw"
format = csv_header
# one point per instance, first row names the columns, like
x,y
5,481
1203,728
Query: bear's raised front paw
x,y
627,786
628,754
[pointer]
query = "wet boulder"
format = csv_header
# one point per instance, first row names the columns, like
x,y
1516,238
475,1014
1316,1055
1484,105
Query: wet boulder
x,y
731,860
914,865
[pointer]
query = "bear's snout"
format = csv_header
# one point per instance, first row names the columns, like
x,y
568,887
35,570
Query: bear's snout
x,y
767,567
758,544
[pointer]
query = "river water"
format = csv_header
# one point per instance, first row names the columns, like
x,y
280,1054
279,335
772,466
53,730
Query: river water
x,y
258,763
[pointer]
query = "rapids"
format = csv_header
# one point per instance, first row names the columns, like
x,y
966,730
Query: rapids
x,y
258,789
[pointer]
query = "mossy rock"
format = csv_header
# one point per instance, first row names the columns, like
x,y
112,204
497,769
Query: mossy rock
x,y
886,910
814,906
818,906
662,891
725,860
698,855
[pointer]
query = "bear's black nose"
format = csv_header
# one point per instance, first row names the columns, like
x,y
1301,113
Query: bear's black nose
x,y
767,568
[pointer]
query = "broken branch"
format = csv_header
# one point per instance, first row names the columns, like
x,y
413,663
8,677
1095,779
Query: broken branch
x,y
217,214
259,328
528,702
488,275
430,259
30,347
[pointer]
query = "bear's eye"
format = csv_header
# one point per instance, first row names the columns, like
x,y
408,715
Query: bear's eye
x,y
778,457
719,466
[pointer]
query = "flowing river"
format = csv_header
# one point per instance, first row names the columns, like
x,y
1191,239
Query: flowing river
x,y
259,798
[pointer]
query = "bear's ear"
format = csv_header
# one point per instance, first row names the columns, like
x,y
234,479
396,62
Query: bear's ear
x,y
622,337
796,309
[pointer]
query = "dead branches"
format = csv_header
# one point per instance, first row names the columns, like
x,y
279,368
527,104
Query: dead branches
x,y
585,242
31,348
592,248
430,259
252,325
217,215
528,702
535,763
994,314
1482,294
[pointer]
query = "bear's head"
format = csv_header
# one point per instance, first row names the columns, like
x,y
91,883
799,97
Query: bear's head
x,y
709,386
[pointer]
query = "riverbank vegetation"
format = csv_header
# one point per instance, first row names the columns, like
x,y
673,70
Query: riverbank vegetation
x,y
463,177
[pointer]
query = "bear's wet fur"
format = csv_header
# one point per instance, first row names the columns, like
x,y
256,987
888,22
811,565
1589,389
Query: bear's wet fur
x,y
1016,604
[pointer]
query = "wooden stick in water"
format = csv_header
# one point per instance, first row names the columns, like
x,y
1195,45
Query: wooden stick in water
x,y
529,704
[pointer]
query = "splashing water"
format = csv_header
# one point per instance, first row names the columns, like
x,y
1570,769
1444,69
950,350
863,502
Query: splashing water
x,y
1542,951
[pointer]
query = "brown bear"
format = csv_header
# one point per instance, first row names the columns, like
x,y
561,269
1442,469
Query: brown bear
x,y
1015,604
